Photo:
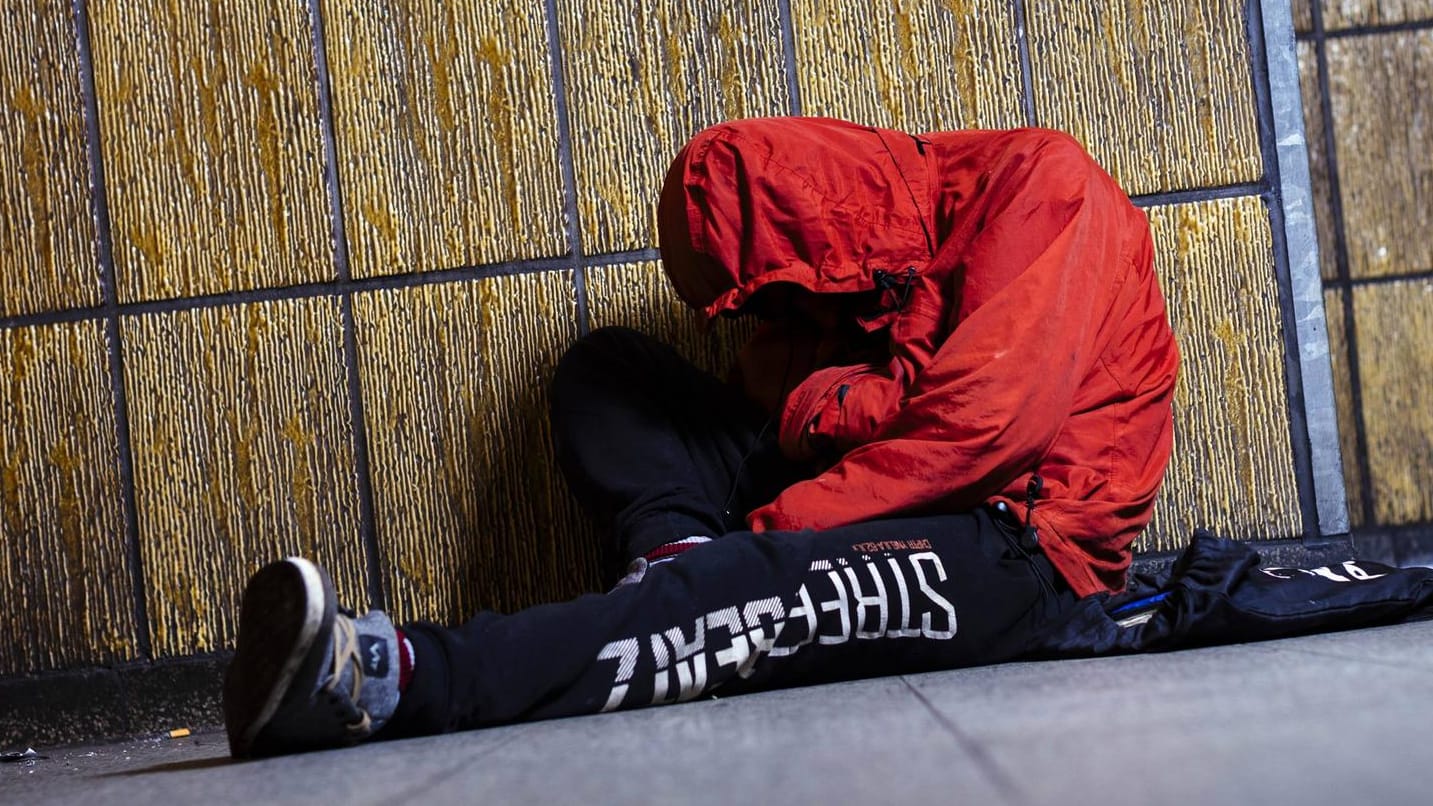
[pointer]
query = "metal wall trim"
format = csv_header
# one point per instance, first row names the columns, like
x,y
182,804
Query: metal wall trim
x,y
1294,194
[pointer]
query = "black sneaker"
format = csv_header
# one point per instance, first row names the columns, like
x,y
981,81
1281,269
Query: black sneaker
x,y
306,676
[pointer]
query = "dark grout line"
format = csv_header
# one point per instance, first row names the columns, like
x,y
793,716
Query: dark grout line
x,y
326,288
565,149
185,304
99,197
788,43
1367,30
42,318
1027,73
339,231
1340,244
367,529
998,777
619,258
1382,279
363,466
1201,194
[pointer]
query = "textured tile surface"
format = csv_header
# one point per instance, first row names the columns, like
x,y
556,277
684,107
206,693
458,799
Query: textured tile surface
x,y
1303,15
46,234
1382,93
1318,160
1327,720
915,66
65,600
1394,327
638,296
1343,399
1158,92
213,156
797,743
1033,720
1352,13
471,511
642,81
446,132
242,452
1233,468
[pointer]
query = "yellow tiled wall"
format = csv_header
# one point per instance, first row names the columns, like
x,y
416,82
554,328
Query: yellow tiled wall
x,y
50,255
310,300
1367,77
1159,91
212,147
1231,422
445,126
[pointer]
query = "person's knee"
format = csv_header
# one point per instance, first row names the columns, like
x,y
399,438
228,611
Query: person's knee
x,y
604,352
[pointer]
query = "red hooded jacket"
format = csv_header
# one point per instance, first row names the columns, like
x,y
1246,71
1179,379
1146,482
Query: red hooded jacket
x,y
1025,329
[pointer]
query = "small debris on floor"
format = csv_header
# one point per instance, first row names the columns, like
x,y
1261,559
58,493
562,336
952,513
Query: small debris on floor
x,y
28,757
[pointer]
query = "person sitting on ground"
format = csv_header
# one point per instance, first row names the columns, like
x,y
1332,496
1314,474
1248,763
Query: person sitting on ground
x,y
948,427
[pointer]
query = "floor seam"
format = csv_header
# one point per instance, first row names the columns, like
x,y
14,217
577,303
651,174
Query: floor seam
x,y
411,794
983,760
1357,658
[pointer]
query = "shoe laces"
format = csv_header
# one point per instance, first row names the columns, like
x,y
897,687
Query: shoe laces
x,y
345,652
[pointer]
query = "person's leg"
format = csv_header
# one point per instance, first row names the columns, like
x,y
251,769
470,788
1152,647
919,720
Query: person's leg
x,y
746,612
655,448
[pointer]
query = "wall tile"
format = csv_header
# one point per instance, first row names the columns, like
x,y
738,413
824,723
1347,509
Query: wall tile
x,y
915,66
1303,15
1382,93
1394,326
1352,13
213,155
471,511
1318,159
1343,401
446,131
66,599
46,233
241,433
641,82
1158,92
1233,468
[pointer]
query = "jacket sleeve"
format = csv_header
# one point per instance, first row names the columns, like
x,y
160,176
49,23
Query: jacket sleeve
x,y
1032,283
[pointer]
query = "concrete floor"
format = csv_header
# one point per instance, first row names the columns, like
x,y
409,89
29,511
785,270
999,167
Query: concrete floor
x,y
1331,719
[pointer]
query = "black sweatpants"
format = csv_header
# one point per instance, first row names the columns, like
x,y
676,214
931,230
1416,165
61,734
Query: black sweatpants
x,y
661,451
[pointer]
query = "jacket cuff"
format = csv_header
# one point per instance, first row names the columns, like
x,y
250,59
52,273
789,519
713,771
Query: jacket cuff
x,y
813,409
770,519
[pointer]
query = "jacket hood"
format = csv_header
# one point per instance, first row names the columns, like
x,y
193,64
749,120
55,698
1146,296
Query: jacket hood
x,y
821,203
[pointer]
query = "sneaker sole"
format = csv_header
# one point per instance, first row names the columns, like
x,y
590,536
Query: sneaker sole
x,y
285,606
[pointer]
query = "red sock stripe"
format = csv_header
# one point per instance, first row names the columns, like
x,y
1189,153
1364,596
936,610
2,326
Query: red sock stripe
x,y
673,548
